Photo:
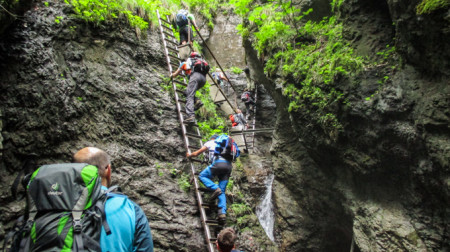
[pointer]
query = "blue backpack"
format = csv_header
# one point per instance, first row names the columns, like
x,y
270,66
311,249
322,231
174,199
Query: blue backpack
x,y
182,19
227,148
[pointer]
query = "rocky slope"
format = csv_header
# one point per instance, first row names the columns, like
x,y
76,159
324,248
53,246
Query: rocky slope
x,y
384,180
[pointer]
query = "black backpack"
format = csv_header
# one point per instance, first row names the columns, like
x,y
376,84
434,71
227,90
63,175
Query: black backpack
x,y
245,97
65,210
200,65
182,19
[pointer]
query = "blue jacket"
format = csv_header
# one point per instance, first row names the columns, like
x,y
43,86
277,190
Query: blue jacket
x,y
129,226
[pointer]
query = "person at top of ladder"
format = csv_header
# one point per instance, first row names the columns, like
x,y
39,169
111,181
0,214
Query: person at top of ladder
x,y
196,68
183,19
225,152
247,98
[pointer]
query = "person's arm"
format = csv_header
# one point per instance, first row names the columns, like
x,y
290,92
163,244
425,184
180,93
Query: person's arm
x,y
176,73
142,235
197,152
191,17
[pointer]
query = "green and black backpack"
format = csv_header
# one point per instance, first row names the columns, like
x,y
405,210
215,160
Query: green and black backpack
x,y
65,210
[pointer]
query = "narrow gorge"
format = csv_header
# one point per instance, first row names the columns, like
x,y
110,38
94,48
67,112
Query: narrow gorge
x,y
368,171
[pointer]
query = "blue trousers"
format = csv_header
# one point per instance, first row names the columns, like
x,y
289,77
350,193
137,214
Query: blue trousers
x,y
221,169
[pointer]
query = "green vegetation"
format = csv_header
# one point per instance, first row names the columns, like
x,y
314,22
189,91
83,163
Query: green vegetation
x,y
210,121
183,182
236,70
140,14
311,57
428,6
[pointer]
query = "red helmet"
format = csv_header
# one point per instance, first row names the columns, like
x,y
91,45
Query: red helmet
x,y
195,55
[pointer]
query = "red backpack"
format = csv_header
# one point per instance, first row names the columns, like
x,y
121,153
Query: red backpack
x,y
233,123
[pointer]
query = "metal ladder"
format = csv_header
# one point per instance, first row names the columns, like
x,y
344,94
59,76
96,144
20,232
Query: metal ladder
x,y
191,132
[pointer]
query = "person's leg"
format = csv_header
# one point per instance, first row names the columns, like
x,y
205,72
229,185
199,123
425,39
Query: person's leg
x,y
222,204
223,173
183,35
190,94
206,177
191,35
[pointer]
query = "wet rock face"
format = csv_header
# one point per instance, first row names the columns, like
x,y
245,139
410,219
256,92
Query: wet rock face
x,y
225,42
68,85
384,180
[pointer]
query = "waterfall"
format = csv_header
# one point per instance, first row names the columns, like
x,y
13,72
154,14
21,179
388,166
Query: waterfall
x,y
264,210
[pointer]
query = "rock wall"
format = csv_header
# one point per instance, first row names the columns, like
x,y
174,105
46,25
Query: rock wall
x,y
225,42
68,85
384,181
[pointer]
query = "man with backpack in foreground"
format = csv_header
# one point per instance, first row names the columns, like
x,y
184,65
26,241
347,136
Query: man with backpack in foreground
x,y
69,208
127,222
196,68
225,152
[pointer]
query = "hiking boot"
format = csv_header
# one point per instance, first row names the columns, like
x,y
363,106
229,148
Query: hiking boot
x,y
190,119
215,194
198,104
222,218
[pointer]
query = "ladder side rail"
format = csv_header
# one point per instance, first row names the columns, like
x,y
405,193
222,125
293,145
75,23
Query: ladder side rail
x,y
214,57
186,142
254,117
222,92
186,84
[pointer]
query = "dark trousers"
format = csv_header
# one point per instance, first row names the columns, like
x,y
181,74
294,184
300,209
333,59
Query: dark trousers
x,y
196,81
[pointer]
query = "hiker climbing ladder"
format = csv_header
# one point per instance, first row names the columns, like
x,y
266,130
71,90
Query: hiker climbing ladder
x,y
191,133
222,99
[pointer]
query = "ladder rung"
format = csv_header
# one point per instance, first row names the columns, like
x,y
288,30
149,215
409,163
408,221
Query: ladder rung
x,y
181,46
165,21
193,136
172,49
175,64
196,160
182,101
170,35
204,189
175,57
212,240
212,222
180,82
204,205
180,91
194,147
171,42
167,27
217,102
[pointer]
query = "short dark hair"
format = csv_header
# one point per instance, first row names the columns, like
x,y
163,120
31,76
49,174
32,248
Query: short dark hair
x,y
226,239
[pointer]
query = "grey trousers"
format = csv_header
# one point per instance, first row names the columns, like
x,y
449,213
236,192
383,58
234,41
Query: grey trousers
x,y
196,81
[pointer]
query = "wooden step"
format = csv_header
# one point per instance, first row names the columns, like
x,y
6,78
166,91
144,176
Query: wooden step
x,y
180,82
165,21
172,49
212,222
193,136
170,41
170,35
